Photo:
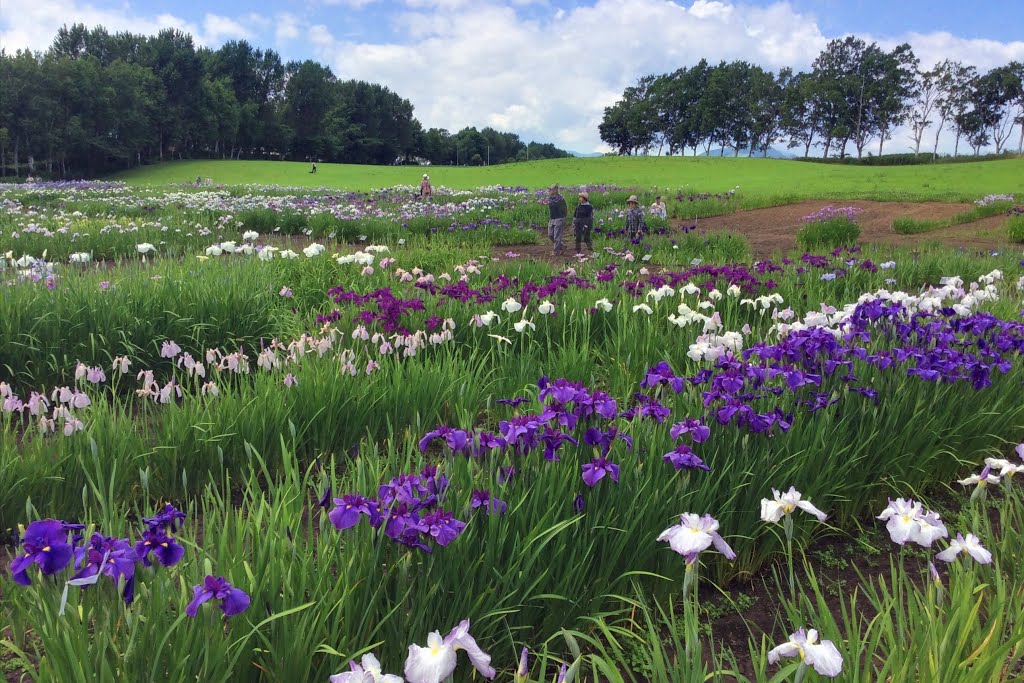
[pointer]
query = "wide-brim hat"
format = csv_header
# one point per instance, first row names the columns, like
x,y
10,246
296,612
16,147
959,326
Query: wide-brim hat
x,y
426,177
585,196
632,199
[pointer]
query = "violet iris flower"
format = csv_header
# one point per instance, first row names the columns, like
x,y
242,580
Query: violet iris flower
x,y
170,517
604,439
457,439
662,374
232,600
595,470
697,430
483,499
45,543
443,527
553,440
683,457
113,557
165,549
348,509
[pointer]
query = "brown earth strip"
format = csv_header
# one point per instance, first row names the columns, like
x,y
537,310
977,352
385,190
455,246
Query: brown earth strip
x,y
773,230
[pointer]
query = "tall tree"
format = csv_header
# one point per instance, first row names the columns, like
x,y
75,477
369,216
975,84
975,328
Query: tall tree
x,y
927,94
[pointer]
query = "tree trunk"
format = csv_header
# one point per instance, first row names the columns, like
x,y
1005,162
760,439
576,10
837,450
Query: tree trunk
x,y
956,148
881,141
1020,145
17,168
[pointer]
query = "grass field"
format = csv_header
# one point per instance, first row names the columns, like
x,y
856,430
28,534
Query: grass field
x,y
760,180
213,396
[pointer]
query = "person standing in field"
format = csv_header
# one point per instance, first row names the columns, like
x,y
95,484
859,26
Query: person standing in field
x,y
635,224
426,191
658,208
583,222
557,213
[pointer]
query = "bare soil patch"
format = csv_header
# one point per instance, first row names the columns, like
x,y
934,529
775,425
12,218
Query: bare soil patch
x,y
773,230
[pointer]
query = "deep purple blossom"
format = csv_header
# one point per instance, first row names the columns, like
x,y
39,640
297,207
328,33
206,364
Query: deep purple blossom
x,y
45,543
697,430
232,600
169,518
683,457
603,439
596,469
164,548
113,557
484,499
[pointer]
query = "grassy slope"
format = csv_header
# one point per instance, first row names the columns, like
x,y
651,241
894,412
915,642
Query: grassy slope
x,y
757,178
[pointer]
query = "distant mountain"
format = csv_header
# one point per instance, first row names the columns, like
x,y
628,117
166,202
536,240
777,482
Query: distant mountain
x,y
583,155
772,153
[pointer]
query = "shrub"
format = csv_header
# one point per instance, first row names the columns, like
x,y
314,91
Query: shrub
x,y
829,228
1015,228
912,226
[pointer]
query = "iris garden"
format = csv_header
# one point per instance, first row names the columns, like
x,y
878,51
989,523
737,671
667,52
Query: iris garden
x,y
262,433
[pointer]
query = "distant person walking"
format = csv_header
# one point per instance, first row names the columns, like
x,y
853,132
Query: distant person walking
x,y
635,224
557,213
313,169
658,208
583,222
426,191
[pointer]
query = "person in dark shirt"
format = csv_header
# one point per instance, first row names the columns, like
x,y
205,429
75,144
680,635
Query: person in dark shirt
x,y
557,213
635,224
583,222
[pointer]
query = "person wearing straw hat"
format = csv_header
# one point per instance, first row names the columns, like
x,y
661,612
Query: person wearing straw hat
x,y
557,213
635,224
426,191
583,222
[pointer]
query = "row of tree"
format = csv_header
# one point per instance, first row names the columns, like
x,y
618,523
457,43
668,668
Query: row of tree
x,y
97,101
855,94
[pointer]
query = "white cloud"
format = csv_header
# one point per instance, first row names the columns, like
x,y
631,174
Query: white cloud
x,y
218,29
286,28
33,25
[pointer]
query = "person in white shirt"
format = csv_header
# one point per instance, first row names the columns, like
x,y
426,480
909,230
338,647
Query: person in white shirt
x,y
658,208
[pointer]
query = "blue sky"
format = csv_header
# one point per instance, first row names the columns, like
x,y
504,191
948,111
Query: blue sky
x,y
542,68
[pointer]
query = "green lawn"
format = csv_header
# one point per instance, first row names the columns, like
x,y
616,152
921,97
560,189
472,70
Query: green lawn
x,y
764,180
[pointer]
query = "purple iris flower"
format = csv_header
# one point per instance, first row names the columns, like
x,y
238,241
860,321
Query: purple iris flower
x,y
232,600
505,474
483,499
553,440
595,470
562,390
578,504
325,499
697,430
683,457
45,543
347,511
165,549
604,405
457,439
170,517
662,374
443,527
113,557
436,483
403,523
604,439
559,413
513,402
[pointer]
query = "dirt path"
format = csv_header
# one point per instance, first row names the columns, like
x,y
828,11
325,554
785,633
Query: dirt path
x,y
773,230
